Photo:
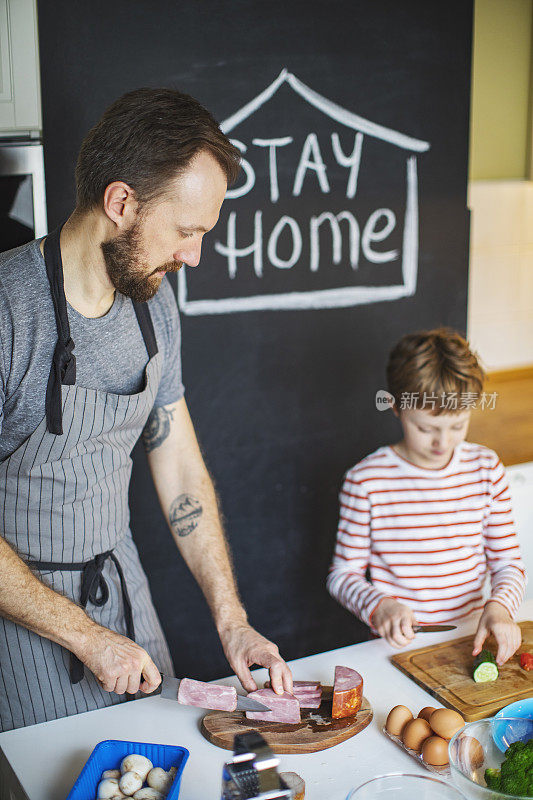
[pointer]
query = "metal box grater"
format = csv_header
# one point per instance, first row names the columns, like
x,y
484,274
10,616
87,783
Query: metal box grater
x,y
253,773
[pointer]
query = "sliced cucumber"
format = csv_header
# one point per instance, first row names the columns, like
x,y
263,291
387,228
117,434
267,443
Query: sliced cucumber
x,y
485,667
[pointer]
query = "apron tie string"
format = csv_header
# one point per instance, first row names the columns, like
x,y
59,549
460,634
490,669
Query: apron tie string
x,y
94,589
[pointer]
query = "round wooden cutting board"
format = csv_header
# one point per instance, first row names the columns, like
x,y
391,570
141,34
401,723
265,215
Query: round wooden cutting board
x,y
317,730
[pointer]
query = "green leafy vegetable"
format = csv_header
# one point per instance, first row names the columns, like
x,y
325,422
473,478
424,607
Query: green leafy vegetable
x,y
516,773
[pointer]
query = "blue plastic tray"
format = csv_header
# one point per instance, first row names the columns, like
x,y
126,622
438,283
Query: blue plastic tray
x,y
109,754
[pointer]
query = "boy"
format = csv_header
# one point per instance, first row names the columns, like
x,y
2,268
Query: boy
x,y
431,514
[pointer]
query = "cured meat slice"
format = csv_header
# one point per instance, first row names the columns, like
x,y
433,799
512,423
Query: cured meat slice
x,y
301,692
308,698
301,686
284,707
309,701
207,695
307,685
347,692
308,693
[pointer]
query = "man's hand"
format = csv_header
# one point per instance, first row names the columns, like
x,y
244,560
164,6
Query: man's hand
x,y
394,622
496,619
244,646
118,663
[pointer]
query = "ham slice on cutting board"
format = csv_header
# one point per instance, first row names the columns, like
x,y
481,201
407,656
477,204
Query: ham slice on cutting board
x,y
309,701
207,695
301,686
308,698
283,707
308,693
347,692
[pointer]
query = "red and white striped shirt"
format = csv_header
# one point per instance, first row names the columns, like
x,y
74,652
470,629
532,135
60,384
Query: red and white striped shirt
x,y
427,536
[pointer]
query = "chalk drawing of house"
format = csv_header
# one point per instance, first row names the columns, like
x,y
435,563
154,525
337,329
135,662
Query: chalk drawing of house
x,y
340,297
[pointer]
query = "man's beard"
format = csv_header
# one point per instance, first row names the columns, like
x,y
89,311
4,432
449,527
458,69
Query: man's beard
x,y
126,271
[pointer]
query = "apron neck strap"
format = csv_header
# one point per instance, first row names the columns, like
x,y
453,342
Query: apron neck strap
x,y
63,369
144,318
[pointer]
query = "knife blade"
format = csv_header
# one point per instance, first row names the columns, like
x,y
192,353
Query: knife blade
x,y
169,691
433,628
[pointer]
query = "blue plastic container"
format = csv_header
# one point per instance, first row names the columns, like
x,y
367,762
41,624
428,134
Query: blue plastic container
x,y
109,754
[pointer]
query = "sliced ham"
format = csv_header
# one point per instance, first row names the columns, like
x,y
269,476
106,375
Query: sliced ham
x,y
309,701
284,707
207,695
301,686
307,685
308,693
347,692
308,698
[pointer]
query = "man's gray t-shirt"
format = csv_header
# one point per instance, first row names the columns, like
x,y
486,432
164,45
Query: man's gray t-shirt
x,y
110,351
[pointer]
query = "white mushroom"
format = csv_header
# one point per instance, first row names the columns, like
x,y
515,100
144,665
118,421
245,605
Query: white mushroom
x,y
159,779
130,783
107,788
136,763
148,794
111,773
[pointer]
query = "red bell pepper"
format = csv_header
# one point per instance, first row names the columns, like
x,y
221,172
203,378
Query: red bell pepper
x,y
526,661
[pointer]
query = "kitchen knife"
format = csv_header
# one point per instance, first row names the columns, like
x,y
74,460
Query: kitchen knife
x,y
433,628
169,690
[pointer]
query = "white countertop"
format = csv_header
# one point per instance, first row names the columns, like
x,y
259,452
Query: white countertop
x,y
44,760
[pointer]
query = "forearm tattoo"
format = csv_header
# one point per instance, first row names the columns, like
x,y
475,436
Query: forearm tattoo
x,y
185,512
157,428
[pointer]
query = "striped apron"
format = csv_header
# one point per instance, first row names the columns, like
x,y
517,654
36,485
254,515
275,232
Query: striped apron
x,y
64,509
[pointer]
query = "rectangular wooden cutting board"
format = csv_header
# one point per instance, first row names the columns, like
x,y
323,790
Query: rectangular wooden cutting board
x,y
445,671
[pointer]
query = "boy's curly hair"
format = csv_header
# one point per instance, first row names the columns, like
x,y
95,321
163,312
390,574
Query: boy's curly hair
x,y
433,363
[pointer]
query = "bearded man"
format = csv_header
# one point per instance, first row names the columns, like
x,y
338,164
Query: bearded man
x,y
89,361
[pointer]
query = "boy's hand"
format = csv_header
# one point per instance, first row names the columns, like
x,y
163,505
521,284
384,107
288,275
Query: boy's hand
x,y
496,619
394,622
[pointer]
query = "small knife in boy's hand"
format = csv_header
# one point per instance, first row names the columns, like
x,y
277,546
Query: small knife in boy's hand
x,y
433,628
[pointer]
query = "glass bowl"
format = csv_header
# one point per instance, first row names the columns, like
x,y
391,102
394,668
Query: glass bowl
x,y
401,786
481,745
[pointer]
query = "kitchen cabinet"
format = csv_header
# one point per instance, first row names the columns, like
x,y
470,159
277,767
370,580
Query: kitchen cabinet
x,y
20,101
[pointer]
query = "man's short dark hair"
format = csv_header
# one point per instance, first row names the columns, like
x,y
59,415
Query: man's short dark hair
x,y
146,138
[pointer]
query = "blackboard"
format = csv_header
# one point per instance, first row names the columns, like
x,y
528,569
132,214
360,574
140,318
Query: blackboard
x,y
354,232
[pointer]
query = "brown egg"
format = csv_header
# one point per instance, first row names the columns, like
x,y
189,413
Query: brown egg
x,y
398,717
435,751
469,753
426,712
446,722
414,734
